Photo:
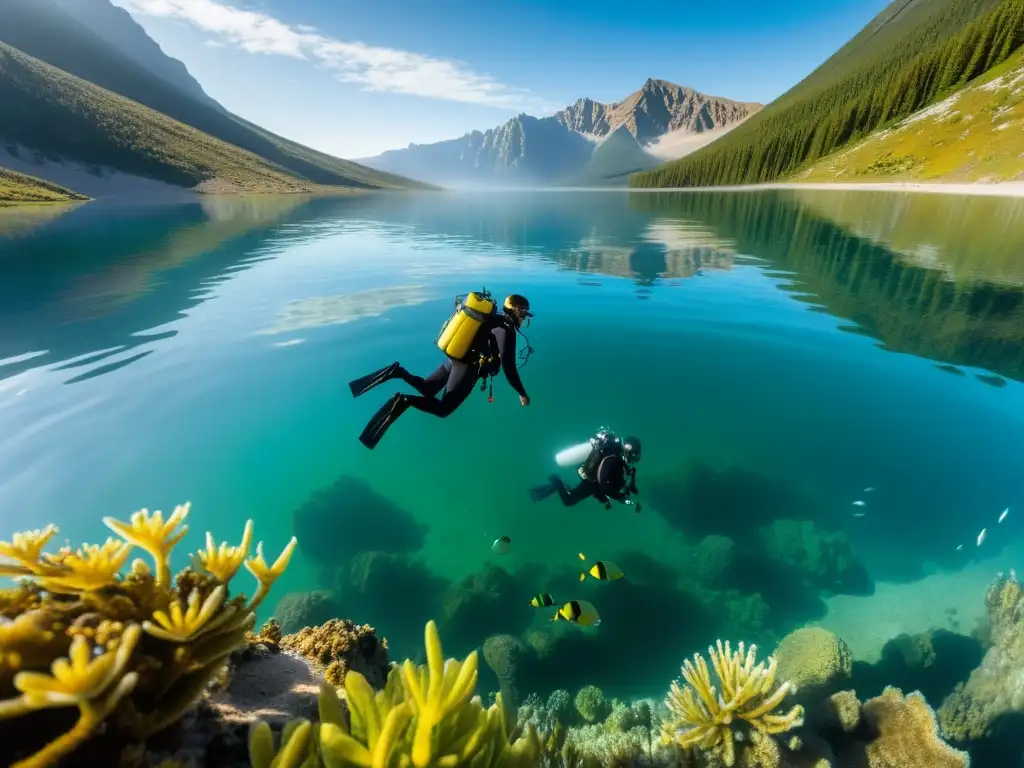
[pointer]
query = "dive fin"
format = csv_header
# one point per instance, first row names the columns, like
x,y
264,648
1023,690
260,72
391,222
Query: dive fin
x,y
583,576
368,382
541,492
382,420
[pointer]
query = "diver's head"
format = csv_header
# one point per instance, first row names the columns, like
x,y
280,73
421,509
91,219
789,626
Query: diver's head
x,y
518,308
631,450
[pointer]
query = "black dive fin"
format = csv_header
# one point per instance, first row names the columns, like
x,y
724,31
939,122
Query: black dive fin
x,y
382,421
368,382
542,492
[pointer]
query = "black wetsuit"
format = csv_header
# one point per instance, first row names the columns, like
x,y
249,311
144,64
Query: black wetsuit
x,y
619,484
457,379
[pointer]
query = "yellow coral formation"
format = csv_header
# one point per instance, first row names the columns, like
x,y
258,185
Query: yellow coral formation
x,y
267,575
133,653
424,716
27,547
907,734
91,567
224,562
150,532
702,717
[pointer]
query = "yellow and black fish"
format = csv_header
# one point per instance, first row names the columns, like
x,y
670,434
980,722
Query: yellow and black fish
x,y
602,570
542,600
578,612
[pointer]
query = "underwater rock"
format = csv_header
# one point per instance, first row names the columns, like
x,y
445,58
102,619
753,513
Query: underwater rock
x,y
503,654
349,517
712,560
904,732
275,687
932,662
700,500
296,610
823,559
341,646
488,602
996,688
367,587
815,661
638,621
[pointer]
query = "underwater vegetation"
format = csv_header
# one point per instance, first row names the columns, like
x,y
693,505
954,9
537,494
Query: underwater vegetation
x,y
706,715
742,717
83,646
741,573
425,715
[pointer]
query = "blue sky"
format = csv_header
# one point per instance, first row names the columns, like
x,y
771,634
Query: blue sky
x,y
357,78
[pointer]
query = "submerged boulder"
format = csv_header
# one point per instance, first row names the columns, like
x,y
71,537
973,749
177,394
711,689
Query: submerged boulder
x,y
349,517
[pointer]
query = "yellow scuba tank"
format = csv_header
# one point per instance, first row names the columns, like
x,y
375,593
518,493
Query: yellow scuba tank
x,y
457,335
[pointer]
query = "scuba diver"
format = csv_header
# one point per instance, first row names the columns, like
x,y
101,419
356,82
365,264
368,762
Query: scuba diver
x,y
477,342
608,472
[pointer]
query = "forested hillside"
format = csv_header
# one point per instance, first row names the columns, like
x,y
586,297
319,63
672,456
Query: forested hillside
x,y
913,54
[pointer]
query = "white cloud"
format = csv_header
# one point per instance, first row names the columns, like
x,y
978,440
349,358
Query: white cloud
x,y
374,68
213,43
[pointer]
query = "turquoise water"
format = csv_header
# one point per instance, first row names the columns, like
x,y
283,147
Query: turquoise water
x,y
777,353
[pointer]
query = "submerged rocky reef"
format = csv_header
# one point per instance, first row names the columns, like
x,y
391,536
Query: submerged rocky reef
x,y
116,663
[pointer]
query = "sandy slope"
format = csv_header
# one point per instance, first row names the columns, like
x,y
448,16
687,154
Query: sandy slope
x,y
946,600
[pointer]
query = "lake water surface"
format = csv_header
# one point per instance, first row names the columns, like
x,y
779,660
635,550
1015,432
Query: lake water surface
x,y
777,352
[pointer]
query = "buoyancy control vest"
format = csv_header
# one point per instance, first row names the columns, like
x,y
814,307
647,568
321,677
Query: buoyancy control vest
x,y
603,445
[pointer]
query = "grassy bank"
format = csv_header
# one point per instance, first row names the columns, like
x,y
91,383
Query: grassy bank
x,y
19,188
976,135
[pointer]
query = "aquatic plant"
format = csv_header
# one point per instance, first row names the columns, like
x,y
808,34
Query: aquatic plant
x,y
132,652
591,704
426,715
701,716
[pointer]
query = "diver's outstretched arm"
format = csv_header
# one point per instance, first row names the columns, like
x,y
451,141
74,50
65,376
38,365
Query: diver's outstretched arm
x,y
506,339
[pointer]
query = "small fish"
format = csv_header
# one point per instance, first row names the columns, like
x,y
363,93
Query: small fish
x,y
1003,516
602,570
859,514
959,547
981,536
501,545
869,489
578,612
858,503
542,600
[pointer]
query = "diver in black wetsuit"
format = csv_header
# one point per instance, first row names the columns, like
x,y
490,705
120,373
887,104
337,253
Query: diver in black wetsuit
x,y
608,473
493,348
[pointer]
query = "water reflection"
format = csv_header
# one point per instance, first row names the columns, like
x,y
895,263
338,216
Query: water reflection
x,y
344,308
94,283
928,275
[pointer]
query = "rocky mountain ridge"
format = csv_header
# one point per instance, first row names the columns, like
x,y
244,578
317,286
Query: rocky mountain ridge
x,y
556,149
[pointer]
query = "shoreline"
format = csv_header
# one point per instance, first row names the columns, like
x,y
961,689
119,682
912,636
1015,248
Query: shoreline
x,y
1000,189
